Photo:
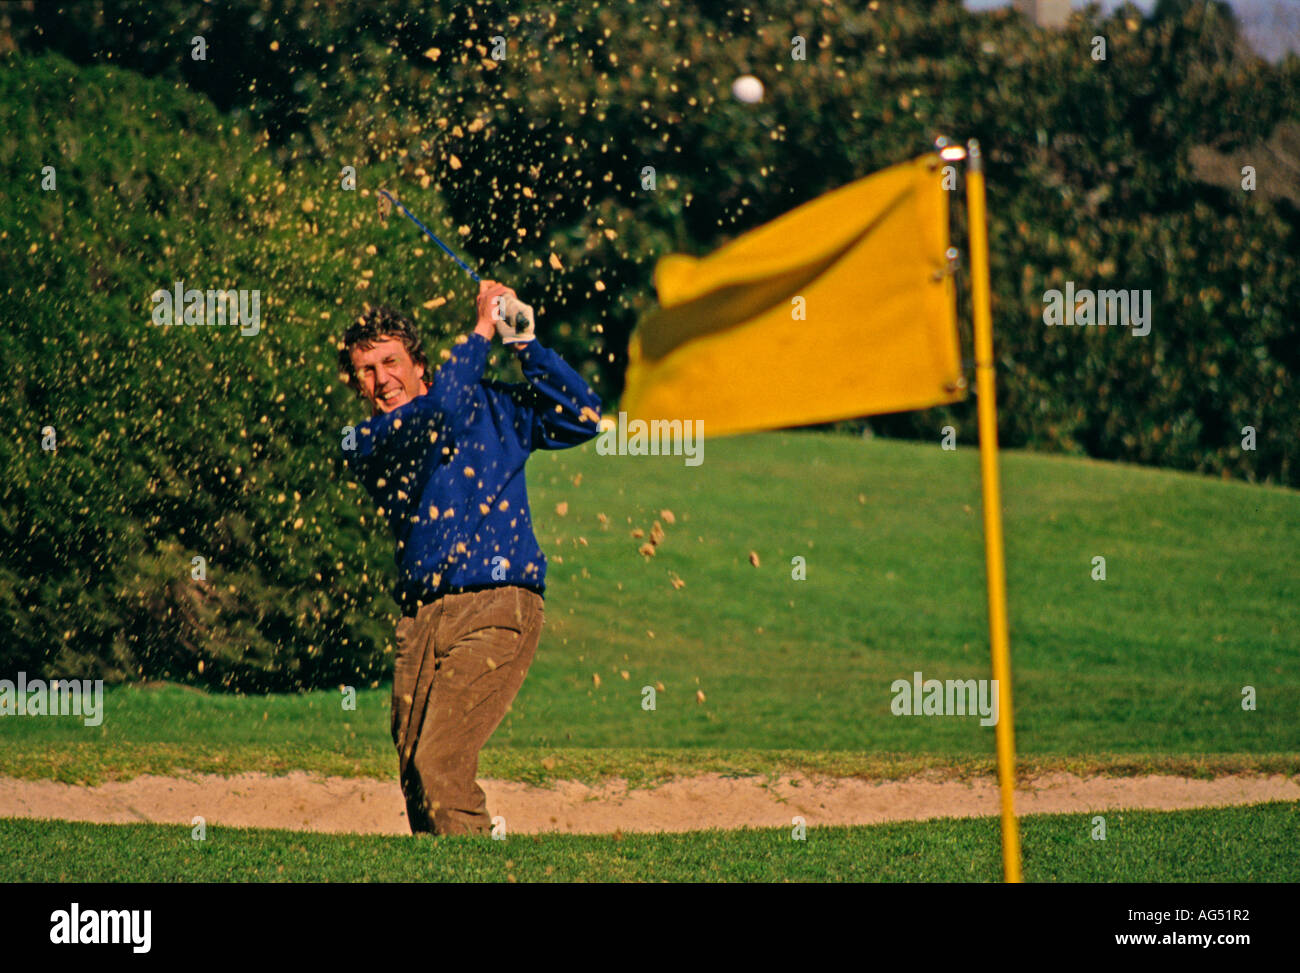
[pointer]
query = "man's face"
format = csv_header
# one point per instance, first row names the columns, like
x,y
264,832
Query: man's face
x,y
386,374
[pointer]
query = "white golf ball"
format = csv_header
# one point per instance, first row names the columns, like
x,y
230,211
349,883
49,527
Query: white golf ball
x,y
748,89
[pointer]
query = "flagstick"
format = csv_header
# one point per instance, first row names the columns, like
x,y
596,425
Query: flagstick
x,y
993,554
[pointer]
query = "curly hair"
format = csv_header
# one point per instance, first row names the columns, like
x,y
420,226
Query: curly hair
x,y
375,324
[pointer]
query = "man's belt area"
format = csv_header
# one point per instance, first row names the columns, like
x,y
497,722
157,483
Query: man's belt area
x,y
411,605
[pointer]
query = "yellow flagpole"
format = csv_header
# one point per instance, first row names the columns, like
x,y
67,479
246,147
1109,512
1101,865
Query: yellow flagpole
x,y
993,554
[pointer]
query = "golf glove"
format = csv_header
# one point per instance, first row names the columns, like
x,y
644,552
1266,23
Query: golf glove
x,y
515,325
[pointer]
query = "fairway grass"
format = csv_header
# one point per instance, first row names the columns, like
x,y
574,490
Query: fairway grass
x,y
90,764
1240,844
756,672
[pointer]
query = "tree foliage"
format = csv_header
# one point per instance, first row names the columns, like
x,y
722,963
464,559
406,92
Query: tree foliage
x,y
226,172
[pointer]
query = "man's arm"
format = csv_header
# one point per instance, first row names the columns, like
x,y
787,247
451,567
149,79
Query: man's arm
x,y
457,382
561,410
566,412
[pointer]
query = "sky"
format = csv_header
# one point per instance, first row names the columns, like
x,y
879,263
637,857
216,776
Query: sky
x,y
1272,26
1106,4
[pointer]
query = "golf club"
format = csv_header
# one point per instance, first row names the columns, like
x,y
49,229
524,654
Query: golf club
x,y
517,311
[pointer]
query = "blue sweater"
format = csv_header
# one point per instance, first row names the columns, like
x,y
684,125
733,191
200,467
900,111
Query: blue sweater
x,y
447,469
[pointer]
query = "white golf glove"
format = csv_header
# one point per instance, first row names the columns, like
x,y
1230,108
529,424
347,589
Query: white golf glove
x,y
515,322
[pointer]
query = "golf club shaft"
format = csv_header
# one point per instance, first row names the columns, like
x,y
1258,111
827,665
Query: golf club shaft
x,y
411,216
514,310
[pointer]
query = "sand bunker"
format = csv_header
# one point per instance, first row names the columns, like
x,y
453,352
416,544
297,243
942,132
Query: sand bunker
x,y
305,802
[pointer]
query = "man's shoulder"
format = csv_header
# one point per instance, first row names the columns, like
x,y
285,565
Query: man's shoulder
x,y
520,392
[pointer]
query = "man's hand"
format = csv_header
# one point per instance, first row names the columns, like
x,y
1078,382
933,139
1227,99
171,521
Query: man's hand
x,y
500,309
491,296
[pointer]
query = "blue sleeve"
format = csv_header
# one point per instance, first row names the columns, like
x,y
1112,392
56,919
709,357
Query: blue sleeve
x,y
455,386
565,411
392,435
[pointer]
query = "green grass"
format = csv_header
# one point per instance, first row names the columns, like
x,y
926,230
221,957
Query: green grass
x,y
90,764
1243,844
1141,671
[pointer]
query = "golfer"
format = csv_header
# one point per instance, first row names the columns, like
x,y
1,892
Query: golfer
x,y
443,457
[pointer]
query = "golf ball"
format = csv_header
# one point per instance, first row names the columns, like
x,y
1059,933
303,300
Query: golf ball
x,y
748,89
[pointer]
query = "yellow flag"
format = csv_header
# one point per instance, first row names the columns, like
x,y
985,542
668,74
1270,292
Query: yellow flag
x,y
842,307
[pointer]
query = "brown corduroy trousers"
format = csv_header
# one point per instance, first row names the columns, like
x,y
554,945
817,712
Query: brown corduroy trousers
x,y
460,663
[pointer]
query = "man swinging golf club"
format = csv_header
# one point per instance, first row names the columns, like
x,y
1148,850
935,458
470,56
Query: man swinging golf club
x,y
443,457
